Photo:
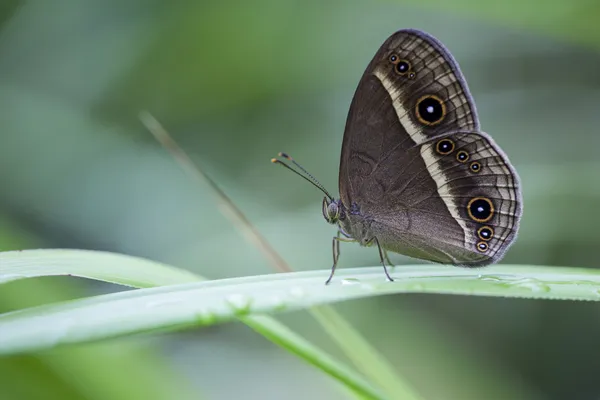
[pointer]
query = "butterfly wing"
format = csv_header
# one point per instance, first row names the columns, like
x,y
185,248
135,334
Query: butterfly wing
x,y
411,96
470,216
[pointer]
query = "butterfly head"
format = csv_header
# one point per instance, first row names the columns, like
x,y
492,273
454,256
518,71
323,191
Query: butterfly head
x,y
332,210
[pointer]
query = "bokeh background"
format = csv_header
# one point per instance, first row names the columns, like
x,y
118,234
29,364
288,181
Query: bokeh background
x,y
235,82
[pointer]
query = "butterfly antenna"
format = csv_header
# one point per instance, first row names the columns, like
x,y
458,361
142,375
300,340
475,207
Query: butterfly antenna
x,y
307,175
288,157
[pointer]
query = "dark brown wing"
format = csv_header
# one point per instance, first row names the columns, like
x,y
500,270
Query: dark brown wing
x,y
417,200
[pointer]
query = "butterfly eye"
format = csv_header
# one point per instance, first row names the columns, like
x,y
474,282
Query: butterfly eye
x,y
475,166
331,211
444,146
462,156
334,212
482,247
480,209
430,110
325,209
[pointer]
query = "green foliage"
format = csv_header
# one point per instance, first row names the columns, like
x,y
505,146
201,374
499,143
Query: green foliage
x,y
174,306
136,272
207,303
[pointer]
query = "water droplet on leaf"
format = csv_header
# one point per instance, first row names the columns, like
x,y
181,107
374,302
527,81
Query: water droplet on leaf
x,y
532,284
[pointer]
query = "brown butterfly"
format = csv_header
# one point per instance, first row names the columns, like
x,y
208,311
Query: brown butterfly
x,y
417,175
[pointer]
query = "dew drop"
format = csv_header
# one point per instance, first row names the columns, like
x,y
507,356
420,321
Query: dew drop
x,y
490,278
532,284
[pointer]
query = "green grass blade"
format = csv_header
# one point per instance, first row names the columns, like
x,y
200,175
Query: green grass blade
x,y
289,340
141,273
206,303
104,266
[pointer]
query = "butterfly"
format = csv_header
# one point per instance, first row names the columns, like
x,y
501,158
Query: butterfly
x,y
417,175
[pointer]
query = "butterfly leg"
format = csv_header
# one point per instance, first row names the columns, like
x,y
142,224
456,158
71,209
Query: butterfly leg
x,y
336,251
387,260
382,252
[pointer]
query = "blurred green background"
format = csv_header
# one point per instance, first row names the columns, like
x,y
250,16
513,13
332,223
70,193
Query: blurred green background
x,y
235,82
